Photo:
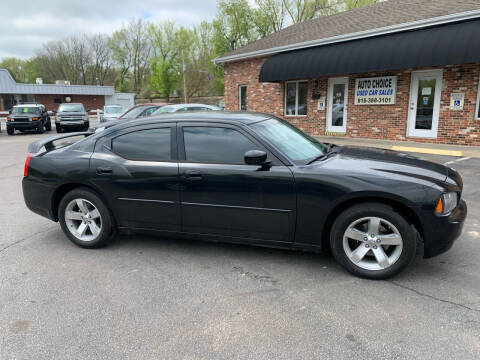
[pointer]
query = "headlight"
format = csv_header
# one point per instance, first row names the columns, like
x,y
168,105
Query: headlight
x,y
85,118
446,203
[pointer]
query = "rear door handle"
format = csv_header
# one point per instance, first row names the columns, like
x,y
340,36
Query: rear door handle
x,y
193,175
104,170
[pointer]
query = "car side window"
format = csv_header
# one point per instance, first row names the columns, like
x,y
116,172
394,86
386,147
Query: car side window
x,y
146,145
216,145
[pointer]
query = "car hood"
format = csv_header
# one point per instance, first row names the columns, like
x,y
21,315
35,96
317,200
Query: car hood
x,y
393,162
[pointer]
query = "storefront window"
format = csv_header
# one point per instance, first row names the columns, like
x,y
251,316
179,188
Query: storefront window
x,y
242,97
296,94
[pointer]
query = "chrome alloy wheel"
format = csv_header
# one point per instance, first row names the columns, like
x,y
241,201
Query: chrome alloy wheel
x,y
372,243
83,220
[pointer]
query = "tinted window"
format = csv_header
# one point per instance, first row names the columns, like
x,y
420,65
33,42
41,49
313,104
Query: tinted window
x,y
216,145
148,145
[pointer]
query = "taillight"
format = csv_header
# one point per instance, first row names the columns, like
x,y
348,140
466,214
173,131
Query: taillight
x,y
27,161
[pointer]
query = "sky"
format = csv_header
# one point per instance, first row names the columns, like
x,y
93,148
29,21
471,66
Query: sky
x,y
26,24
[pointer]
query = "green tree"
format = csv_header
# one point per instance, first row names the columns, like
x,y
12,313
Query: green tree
x,y
352,4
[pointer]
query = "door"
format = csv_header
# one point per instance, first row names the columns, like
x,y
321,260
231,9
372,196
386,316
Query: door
x,y
424,104
337,104
221,195
137,169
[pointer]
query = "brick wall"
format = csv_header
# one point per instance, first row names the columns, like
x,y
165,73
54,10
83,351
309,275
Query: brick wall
x,y
91,102
368,121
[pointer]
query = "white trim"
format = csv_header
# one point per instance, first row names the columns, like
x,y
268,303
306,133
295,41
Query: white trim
x,y
411,117
412,25
477,108
296,82
332,81
240,97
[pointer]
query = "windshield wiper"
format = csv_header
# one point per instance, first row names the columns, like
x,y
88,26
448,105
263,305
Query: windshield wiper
x,y
328,152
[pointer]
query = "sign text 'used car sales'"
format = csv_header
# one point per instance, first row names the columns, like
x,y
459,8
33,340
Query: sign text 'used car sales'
x,y
376,90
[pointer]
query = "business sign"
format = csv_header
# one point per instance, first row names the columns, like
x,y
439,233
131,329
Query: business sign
x,y
456,101
376,90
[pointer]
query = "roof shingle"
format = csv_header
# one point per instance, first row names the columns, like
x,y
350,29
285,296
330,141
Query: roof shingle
x,y
383,14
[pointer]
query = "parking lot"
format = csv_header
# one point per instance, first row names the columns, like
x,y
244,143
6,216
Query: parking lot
x,y
156,298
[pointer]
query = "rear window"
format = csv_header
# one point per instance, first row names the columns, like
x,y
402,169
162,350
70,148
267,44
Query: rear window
x,y
146,145
25,110
71,108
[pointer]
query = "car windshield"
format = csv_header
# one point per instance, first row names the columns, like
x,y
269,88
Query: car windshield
x,y
165,109
112,110
133,112
292,142
71,108
25,110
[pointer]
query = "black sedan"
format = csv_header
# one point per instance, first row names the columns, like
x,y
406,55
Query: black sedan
x,y
246,178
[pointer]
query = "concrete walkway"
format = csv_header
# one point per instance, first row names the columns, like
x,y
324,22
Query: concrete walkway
x,y
408,146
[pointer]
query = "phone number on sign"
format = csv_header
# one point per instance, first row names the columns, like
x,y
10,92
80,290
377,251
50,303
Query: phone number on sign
x,y
374,100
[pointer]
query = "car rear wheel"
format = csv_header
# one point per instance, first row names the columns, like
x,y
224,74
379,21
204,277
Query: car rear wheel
x,y
85,219
373,241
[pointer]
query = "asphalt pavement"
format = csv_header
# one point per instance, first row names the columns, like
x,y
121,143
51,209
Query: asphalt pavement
x,y
156,298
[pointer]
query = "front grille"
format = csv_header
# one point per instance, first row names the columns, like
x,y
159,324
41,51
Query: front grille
x,y
71,118
20,119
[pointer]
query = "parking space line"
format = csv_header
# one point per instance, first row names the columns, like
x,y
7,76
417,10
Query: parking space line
x,y
457,160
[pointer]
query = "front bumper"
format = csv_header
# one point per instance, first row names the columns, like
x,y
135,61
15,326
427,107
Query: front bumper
x,y
24,125
440,233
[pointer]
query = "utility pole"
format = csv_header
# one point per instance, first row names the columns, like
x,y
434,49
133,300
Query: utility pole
x,y
184,68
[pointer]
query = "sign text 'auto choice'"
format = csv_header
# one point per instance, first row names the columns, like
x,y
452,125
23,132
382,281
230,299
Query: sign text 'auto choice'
x,y
376,90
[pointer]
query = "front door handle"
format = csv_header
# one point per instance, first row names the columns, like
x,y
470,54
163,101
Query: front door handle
x,y
193,175
104,170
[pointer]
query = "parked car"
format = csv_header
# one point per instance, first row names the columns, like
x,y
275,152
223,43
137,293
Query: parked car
x,y
246,178
71,116
28,117
111,112
184,107
135,112
141,110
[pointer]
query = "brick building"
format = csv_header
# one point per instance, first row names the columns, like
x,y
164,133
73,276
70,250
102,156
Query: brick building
x,y
398,70
51,95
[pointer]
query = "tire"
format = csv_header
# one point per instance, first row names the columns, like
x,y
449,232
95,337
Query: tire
x,y
48,125
97,229
59,129
10,130
362,254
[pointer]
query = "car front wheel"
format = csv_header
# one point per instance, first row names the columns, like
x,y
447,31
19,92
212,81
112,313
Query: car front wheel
x,y
85,219
373,241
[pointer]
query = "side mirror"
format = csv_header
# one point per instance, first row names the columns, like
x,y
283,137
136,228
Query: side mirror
x,y
255,157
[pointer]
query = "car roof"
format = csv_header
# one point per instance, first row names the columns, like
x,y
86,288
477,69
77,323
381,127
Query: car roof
x,y
231,117
27,105
176,106
152,104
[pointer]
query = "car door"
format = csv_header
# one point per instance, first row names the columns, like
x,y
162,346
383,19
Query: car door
x,y
137,168
221,195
